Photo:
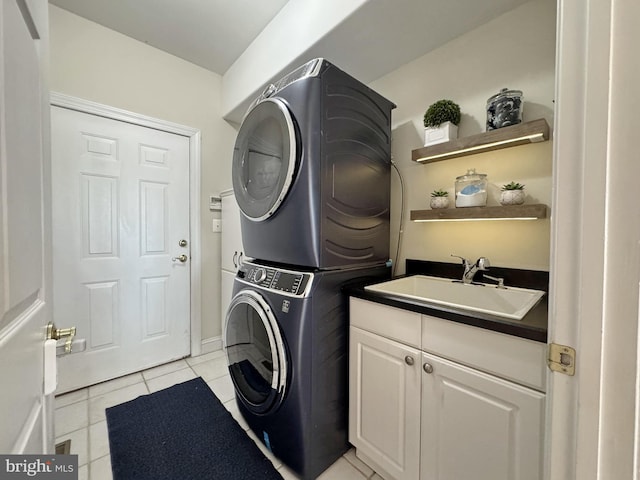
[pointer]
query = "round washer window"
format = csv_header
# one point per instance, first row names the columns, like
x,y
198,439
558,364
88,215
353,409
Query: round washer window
x,y
264,159
255,352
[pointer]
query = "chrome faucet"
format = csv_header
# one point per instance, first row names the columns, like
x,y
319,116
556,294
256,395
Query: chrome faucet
x,y
470,269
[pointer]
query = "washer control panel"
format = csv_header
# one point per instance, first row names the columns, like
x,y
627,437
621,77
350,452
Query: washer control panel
x,y
276,279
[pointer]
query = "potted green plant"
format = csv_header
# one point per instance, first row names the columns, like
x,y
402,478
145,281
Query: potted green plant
x,y
441,122
439,199
512,193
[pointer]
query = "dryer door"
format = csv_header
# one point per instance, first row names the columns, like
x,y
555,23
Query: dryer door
x,y
264,159
255,352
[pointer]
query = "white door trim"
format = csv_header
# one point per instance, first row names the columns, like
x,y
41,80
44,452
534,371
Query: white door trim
x,y
87,106
595,244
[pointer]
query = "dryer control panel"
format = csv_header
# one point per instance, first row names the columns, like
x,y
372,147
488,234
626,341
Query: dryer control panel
x,y
276,279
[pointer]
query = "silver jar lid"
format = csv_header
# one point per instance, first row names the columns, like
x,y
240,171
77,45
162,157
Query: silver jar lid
x,y
471,175
505,92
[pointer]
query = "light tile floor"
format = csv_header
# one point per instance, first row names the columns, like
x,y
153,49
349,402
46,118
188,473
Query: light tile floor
x,y
80,416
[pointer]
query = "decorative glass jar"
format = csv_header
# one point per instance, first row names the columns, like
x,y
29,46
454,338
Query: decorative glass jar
x,y
504,109
471,189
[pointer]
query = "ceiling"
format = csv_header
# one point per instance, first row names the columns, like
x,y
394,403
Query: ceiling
x,y
382,35
209,33
378,38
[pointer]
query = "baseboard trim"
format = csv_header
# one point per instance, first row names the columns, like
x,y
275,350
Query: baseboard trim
x,y
211,344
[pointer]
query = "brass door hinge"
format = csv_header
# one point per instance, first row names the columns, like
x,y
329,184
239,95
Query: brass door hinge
x,y
562,359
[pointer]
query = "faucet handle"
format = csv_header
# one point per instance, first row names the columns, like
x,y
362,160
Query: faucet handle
x,y
483,263
464,260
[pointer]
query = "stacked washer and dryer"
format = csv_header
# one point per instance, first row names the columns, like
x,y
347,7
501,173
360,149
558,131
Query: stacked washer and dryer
x,y
311,175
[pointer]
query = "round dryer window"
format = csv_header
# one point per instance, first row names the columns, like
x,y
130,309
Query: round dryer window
x,y
264,159
255,352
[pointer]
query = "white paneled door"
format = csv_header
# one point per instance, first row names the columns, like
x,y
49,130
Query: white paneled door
x,y
26,420
121,259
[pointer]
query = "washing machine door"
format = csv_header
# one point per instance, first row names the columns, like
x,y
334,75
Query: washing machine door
x,y
264,159
255,352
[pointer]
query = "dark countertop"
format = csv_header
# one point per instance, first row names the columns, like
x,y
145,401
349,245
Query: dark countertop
x,y
533,326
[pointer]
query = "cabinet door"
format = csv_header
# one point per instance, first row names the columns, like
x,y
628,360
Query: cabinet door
x,y
478,426
226,291
384,404
231,249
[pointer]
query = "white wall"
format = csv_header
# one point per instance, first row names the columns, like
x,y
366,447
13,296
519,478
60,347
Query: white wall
x,y
516,50
305,20
94,63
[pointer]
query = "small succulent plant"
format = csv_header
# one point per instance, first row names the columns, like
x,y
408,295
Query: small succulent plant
x,y
440,193
440,112
512,186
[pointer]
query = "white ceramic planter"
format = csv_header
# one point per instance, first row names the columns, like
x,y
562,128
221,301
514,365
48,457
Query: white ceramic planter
x,y
445,132
439,202
512,197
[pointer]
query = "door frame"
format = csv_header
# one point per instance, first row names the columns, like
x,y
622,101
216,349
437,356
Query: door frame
x,y
194,136
593,417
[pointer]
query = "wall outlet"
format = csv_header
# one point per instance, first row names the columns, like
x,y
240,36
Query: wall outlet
x,y
216,225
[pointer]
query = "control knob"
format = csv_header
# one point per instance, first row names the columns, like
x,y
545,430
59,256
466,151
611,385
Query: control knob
x,y
260,275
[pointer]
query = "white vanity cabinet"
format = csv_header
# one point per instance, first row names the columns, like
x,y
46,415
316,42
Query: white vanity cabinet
x,y
430,400
231,248
478,426
384,408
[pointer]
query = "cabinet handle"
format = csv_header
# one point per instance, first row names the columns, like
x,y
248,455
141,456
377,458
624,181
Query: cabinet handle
x,y
235,255
427,368
408,360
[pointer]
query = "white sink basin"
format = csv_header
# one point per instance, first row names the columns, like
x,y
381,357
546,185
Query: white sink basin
x,y
510,302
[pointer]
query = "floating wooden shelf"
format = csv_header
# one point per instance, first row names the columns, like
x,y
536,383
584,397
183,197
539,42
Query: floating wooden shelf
x,y
511,212
520,134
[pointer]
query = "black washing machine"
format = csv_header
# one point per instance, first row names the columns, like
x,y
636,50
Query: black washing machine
x,y
311,171
286,338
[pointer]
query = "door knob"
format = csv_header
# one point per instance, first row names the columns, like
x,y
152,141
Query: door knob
x,y
54,333
182,243
180,258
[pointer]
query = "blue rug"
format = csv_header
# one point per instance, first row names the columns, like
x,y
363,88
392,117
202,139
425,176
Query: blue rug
x,y
182,433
